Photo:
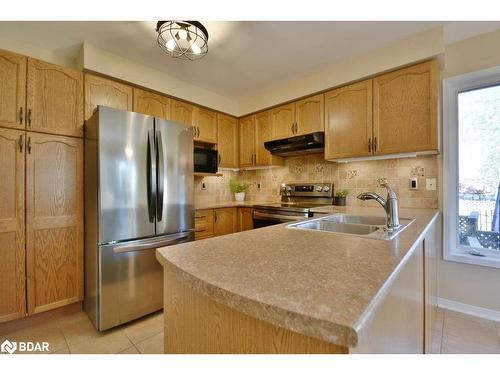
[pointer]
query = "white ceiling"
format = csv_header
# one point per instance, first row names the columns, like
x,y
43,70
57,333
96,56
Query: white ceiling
x,y
244,57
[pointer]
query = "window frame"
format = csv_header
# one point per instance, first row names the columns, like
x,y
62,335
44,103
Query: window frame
x,y
453,86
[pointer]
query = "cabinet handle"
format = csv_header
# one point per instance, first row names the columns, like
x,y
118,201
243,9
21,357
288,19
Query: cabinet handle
x,y
194,131
220,158
21,115
200,217
29,145
200,230
375,144
293,129
370,145
21,143
215,217
29,117
296,128
197,132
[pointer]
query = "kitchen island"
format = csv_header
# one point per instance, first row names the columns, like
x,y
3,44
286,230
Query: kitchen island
x,y
278,290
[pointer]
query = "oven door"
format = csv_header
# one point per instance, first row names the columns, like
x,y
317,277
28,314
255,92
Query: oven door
x,y
264,218
205,160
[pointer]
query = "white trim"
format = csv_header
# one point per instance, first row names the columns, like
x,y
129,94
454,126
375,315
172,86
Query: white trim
x,y
451,88
464,308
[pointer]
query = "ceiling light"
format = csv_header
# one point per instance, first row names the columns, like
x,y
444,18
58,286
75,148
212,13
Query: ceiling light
x,y
183,39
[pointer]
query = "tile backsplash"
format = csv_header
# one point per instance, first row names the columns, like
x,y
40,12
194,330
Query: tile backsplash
x,y
356,177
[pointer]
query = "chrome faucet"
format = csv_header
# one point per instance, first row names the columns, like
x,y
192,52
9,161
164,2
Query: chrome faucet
x,y
390,204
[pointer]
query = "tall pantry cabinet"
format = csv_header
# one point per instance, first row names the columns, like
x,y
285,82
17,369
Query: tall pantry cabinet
x,y
41,194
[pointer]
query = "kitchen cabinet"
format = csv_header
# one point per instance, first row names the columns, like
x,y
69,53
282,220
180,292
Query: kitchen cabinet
x,y
12,90
206,126
183,113
227,141
225,221
301,117
245,219
405,110
283,121
151,104
254,131
103,91
12,253
309,115
54,99
54,221
203,224
348,121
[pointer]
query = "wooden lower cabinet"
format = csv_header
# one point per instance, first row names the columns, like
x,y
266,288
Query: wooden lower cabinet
x,y
203,224
225,221
245,219
54,221
12,253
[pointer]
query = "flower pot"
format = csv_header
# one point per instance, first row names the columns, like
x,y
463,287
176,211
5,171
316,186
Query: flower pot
x,y
340,201
240,197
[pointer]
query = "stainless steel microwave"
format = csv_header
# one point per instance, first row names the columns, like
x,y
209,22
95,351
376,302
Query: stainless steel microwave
x,y
205,160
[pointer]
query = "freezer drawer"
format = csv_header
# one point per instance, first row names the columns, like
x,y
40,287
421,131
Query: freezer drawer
x,y
130,280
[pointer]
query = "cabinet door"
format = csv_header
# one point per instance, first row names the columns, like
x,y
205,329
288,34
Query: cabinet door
x,y
54,221
103,91
12,90
151,104
225,221
227,141
183,113
12,254
54,99
263,133
245,218
283,121
206,124
247,134
309,114
405,110
348,121
203,224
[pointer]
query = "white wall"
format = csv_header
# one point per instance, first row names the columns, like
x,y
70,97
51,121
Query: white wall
x,y
116,66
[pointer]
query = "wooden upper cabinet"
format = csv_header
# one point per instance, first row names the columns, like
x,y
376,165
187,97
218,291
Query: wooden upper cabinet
x,y
283,121
183,113
54,221
225,221
348,121
151,104
12,90
405,110
103,91
12,253
247,141
309,115
206,123
227,141
54,99
263,133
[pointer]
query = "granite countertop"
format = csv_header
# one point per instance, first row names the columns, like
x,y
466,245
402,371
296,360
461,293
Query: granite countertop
x,y
207,206
323,285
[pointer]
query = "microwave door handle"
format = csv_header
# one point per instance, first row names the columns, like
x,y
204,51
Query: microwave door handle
x,y
150,183
160,175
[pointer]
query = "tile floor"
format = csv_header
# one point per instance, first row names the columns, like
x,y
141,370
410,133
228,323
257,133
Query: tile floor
x,y
74,333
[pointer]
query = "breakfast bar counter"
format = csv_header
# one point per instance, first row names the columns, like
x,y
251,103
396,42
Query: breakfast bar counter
x,y
281,290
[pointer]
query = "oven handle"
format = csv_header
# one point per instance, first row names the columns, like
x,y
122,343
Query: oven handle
x,y
284,218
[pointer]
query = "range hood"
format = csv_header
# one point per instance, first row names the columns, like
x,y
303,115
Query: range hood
x,y
312,143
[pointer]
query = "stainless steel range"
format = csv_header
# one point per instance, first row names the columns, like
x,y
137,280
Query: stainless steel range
x,y
297,200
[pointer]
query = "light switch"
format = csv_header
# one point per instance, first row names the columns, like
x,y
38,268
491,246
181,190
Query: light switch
x,y
431,183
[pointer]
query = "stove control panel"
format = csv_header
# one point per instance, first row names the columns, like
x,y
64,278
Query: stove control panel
x,y
322,189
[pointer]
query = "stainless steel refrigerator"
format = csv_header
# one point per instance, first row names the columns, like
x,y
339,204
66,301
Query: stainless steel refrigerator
x,y
138,196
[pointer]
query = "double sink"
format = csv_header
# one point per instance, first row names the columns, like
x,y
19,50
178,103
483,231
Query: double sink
x,y
354,225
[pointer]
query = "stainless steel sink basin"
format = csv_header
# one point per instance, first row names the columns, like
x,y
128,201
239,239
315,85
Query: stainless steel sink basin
x,y
353,225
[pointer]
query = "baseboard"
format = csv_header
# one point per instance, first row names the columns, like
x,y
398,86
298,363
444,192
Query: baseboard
x,y
464,308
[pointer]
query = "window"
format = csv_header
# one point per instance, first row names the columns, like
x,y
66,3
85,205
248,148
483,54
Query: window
x,y
472,168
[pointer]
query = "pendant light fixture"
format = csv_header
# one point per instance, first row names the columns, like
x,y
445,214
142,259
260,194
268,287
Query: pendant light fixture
x,y
186,40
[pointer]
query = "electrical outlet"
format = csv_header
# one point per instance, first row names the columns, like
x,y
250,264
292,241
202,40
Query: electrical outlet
x,y
431,183
203,186
413,183
258,185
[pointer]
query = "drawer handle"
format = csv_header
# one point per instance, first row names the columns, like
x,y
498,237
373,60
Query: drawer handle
x,y
200,230
200,217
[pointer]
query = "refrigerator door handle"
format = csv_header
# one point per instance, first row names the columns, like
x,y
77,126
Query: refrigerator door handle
x,y
151,186
161,170
149,244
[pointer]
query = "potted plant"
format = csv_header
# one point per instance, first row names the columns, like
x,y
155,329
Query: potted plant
x,y
340,197
238,189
